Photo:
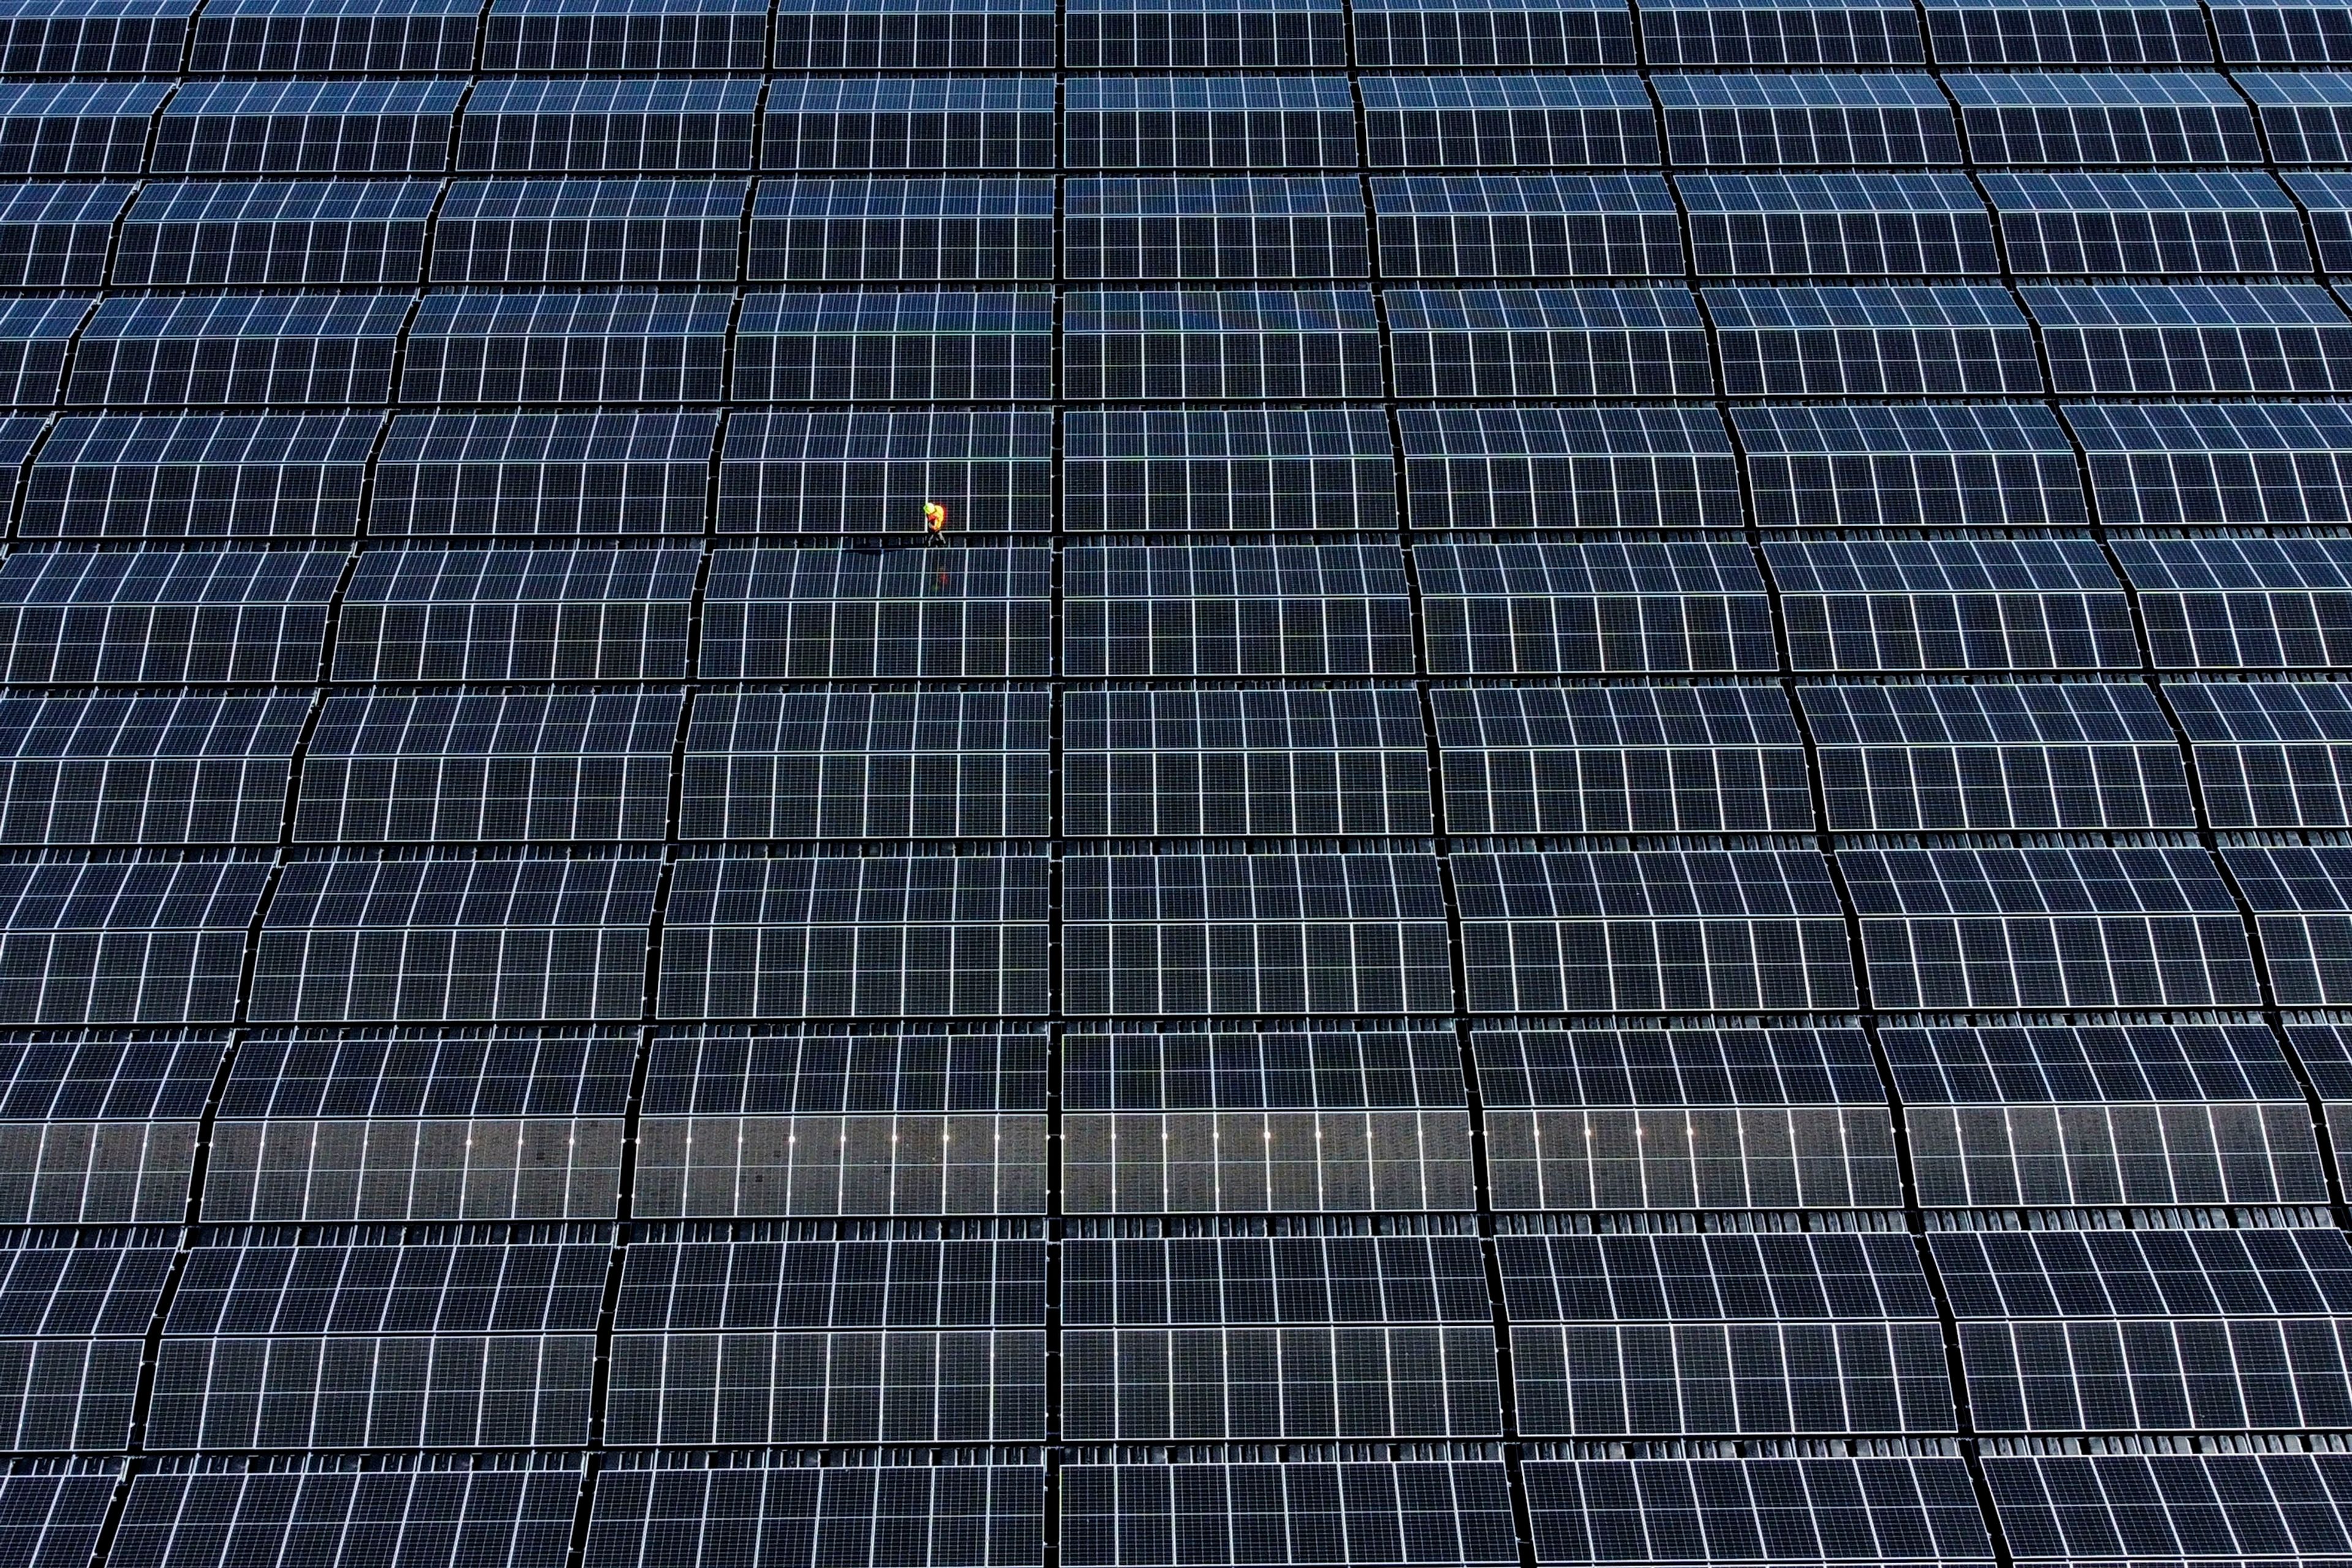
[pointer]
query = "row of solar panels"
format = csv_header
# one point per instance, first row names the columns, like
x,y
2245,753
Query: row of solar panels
x,y
171,767
1554,226
1250,123
369,1125
165,36
868,472
358,935
1952,340
1607,606
2150,1502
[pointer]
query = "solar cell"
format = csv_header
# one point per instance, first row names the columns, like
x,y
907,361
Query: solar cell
x,y
1616,1114
276,231
2104,1112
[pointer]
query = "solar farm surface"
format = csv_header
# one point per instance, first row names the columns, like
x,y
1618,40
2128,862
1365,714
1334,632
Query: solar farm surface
x,y
1175,784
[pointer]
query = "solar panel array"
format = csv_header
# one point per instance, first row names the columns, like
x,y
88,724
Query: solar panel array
x,y
1617,827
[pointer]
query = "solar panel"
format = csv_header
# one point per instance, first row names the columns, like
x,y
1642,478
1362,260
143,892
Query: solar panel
x,y
1226,761
77,128
216,349
1603,605
1790,33
393,1126
2092,118
1214,470
193,476
1547,343
976,612
277,231
1240,123
360,937
1551,468
2047,923
760,1122
927,763
1799,120
589,231
2265,750
1237,228
335,35
1503,122
623,127
1164,35
1938,466
889,231
1451,34
1322,1120
93,37
1845,225
57,236
160,768
2154,1497
1620,759
1952,340
997,124
2211,463
1168,344
2154,222
1991,757
1247,609
870,471
100,1126
873,347
2215,602
2055,32
2104,1112
152,615
451,475
586,614
1551,226
2187,337
307,127
1950,602
1614,1114
624,35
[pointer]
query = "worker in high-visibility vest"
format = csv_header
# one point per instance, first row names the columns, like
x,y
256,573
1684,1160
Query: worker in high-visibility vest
x,y
935,520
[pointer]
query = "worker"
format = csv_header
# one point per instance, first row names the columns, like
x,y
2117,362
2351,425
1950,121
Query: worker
x,y
935,520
